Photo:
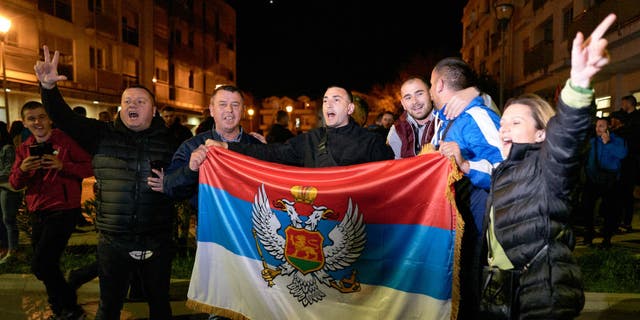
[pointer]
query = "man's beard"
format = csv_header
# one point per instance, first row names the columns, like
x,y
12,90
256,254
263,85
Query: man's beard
x,y
426,114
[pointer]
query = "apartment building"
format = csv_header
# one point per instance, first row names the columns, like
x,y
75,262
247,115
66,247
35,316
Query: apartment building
x,y
537,42
179,49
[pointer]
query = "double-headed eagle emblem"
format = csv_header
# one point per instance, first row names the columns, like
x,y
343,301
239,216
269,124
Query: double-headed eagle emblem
x,y
307,257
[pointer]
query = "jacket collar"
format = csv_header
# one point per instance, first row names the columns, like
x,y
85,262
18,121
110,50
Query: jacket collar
x,y
345,128
157,125
519,151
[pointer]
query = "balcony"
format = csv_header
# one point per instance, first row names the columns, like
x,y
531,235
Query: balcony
x,y
109,80
627,11
103,24
538,58
223,71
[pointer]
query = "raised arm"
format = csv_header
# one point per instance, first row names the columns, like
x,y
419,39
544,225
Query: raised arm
x,y
568,131
85,131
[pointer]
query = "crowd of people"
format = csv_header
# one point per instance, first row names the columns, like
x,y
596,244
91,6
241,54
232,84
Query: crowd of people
x,y
520,172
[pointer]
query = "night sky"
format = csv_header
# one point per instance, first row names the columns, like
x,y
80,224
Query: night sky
x,y
296,47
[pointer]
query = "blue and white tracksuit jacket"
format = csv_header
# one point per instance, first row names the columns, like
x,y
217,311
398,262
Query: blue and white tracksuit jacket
x,y
476,132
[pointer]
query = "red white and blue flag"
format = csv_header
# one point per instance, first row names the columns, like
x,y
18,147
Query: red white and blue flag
x,y
369,241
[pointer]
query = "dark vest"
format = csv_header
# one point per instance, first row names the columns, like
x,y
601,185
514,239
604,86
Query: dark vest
x,y
407,134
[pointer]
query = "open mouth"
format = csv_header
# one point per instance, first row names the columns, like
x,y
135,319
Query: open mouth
x,y
133,115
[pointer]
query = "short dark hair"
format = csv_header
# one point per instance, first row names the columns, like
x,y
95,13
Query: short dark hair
x,y
456,73
631,99
139,86
281,115
31,105
17,127
349,93
168,108
227,87
80,110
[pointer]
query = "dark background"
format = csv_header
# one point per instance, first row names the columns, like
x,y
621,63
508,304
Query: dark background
x,y
300,47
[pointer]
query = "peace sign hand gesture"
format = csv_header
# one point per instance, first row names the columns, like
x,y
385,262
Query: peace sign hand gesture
x,y
47,70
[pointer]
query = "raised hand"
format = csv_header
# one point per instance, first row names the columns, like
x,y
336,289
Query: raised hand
x,y
588,56
47,70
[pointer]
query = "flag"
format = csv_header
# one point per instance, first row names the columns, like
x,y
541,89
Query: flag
x,y
368,241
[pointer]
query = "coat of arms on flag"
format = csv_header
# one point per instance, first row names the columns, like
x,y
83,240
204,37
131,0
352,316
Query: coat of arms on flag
x,y
304,257
370,241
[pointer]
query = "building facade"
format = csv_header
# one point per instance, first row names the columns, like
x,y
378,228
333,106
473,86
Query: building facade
x,y
179,49
537,43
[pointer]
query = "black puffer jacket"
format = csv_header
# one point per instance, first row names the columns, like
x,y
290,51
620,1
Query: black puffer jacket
x,y
531,197
121,163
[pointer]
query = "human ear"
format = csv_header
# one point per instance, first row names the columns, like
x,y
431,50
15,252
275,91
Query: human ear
x,y
540,136
350,108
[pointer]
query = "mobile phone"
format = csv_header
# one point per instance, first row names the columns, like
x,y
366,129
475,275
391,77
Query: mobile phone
x,y
158,165
40,149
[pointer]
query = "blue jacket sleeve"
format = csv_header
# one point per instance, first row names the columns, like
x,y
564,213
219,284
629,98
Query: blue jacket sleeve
x,y
180,182
476,132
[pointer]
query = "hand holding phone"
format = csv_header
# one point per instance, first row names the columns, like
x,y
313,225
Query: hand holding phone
x,y
40,149
158,165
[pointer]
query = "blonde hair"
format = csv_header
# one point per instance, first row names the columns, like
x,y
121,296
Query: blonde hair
x,y
541,110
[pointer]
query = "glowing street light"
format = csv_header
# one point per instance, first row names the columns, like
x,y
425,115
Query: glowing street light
x,y
251,112
154,80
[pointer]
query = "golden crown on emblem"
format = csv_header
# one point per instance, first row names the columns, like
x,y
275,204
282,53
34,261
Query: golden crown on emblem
x,y
304,194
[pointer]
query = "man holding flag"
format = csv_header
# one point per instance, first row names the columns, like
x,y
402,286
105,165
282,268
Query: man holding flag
x,y
271,246
341,142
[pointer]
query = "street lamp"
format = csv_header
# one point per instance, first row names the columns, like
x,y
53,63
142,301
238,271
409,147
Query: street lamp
x,y
504,11
250,112
5,25
154,80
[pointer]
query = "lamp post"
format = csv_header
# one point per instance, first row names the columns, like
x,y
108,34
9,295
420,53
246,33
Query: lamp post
x,y
504,11
5,25
251,112
289,109
154,80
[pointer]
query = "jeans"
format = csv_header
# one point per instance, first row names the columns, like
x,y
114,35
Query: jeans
x,y
51,232
116,267
9,204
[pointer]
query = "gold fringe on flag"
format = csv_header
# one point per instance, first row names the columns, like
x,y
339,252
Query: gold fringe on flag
x,y
201,307
454,176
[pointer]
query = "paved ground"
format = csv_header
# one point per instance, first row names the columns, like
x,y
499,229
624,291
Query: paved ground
x,y
24,297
